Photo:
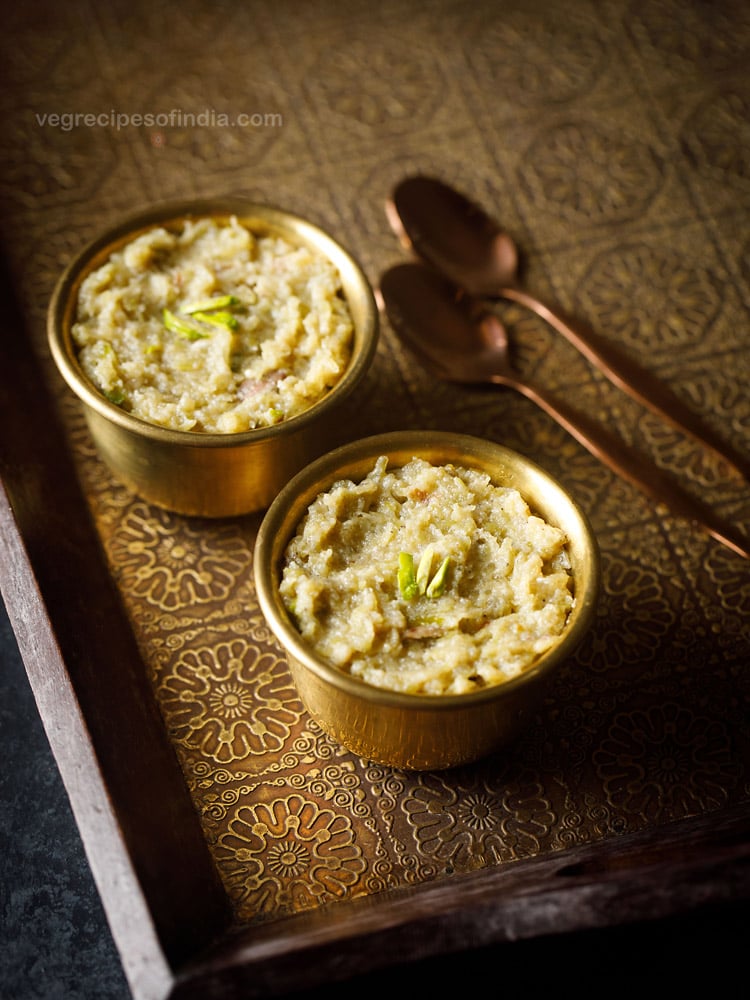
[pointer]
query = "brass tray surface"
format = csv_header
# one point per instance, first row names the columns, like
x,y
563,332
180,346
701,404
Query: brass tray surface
x,y
226,832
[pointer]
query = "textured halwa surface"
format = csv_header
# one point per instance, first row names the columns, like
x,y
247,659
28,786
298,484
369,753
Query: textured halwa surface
x,y
280,345
507,591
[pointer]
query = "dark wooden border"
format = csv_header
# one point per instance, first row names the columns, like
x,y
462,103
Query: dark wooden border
x,y
168,912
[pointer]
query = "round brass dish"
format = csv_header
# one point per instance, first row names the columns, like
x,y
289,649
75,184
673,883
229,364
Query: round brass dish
x,y
422,732
209,474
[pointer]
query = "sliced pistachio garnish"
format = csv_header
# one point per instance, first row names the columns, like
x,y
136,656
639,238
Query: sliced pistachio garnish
x,y
116,395
215,311
411,584
423,569
219,318
407,581
211,304
437,584
182,327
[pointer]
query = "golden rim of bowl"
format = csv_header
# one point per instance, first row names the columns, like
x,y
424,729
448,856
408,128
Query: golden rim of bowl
x,y
353,461
260,218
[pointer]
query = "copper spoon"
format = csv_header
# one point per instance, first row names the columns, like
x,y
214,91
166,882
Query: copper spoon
x,y
458,238
458,341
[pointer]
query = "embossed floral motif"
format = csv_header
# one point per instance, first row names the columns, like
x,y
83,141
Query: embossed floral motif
x,y
586,173
704,34
650,298
411,94
728,579
718,134
289,855
641,615
37,172
173,565
544,60
479,820
228,702
665,763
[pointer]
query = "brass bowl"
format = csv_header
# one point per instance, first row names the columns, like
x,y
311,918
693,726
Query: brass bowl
x,y
414,731
211,474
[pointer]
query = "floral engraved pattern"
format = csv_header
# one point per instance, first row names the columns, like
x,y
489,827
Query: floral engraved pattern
x,y
480,825
665,763
229,702
170,564
291,855
639,597
562,56
621,178
40,171
713,34
652,297
718,134
730,583
362,107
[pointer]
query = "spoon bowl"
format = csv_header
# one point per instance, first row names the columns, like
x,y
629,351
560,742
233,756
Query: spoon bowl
x,y
464,344
453,234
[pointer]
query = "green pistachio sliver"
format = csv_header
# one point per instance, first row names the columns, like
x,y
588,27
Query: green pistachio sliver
x,y
407,582
209,305
116,395
423,569
437,584
182,327
219,318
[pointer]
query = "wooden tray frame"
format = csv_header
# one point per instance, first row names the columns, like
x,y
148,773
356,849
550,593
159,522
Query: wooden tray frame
x,y
168,912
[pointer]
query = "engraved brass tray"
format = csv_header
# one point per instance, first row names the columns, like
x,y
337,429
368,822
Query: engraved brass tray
x,y
237,850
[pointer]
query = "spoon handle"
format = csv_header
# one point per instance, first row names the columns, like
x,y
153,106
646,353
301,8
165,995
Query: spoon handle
x,y
635,380
632,466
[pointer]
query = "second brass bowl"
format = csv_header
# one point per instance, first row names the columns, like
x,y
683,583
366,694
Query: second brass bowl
x,y
415,731
210,474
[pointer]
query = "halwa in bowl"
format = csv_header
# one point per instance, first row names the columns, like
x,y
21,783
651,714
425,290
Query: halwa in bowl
x,y
212,345
425,587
